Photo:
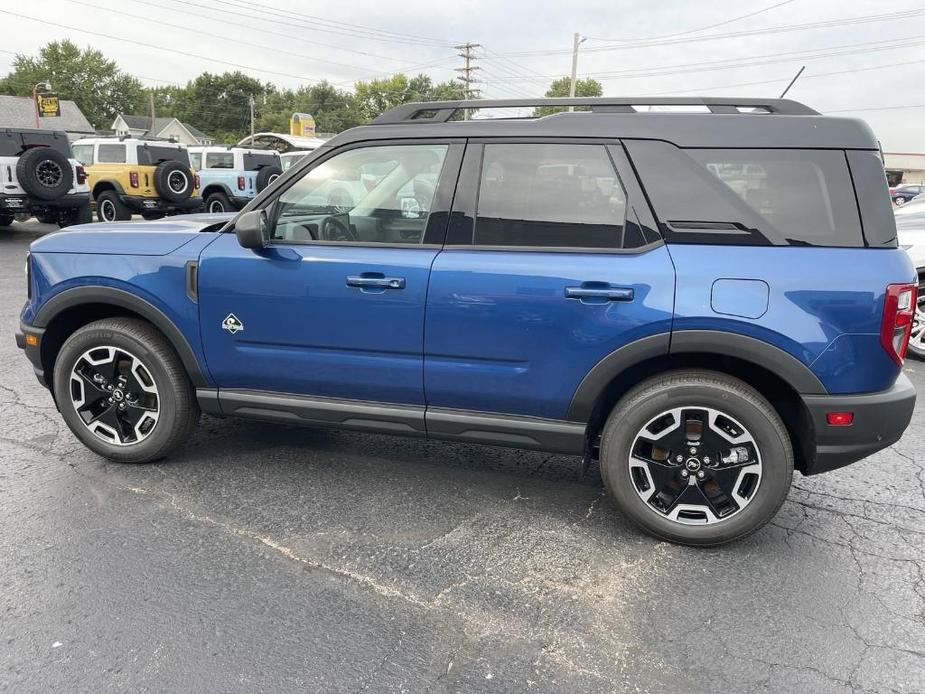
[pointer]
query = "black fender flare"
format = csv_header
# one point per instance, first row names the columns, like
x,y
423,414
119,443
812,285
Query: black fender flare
x,y
211,188
76,296
107,184
749,349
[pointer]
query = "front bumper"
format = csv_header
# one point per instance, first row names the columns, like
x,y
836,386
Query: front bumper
x,y
145,205
879,421
24,203
33,351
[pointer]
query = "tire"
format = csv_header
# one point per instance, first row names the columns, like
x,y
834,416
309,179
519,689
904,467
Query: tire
x,y
218,202
76,215
6,219
127,342
267,175
916,348
44,173
173,181
899,201
761,481
110,209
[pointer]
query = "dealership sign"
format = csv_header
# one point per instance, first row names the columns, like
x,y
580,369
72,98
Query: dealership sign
x,y
47,105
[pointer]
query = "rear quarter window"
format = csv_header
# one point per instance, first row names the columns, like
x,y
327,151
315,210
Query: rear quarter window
x,y
750,196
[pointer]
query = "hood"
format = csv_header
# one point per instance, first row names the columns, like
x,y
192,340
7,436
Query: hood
x,y
160,237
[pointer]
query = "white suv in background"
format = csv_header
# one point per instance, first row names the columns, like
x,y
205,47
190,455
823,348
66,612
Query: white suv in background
x,y
39,177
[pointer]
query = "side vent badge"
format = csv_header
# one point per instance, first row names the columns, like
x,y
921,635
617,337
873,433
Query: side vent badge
x,y
232,324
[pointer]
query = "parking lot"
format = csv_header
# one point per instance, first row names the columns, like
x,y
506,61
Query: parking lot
x,y
264,558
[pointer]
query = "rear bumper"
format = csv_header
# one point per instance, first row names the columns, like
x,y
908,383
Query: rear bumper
x,y
145,205
24,203
879,421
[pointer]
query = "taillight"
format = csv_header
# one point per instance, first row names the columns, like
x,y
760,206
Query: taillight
x,y
133,179
898,312
81,175
195,180
240,182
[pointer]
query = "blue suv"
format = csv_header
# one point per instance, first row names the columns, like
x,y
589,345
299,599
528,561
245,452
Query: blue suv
x,y
702,299
230,177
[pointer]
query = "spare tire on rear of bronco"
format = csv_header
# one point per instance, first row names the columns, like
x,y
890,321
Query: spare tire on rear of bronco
x,y
44,173
173,181
266,175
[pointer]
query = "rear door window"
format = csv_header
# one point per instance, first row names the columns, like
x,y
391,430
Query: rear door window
x,y
111,154
83,154
549,195
750,196
219,160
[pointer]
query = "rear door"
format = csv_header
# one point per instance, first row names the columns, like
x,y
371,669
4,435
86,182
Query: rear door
x,y
552,262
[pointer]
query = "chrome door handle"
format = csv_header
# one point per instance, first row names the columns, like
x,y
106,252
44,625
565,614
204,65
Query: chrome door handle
x,y
606,293
376,282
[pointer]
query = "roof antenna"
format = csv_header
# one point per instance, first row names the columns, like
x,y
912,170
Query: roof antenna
x,y
795,78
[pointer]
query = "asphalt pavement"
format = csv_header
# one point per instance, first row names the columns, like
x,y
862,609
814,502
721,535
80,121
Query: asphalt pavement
x,y
261,558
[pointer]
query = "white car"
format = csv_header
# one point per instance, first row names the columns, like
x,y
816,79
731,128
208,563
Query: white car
x,y
910,231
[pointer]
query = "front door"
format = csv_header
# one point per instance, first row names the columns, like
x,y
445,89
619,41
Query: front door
x,y
334,307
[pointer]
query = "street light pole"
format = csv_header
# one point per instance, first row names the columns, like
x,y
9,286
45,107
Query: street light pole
x,y
577,40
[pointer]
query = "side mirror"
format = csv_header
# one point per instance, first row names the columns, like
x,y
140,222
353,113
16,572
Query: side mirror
x,y
252,230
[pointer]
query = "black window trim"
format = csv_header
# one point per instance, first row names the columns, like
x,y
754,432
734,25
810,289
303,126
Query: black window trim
x,y
438,218
465,204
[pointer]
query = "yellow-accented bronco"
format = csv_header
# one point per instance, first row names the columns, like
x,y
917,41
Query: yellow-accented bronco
x,y
129,176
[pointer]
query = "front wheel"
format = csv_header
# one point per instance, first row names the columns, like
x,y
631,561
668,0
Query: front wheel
x,y
696,457
899,201
122,390
217,203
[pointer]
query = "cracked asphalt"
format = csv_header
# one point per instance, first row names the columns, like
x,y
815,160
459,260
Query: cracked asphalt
x,y
266,559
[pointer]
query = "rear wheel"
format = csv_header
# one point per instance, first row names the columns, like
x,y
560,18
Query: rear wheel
x,y
6,219
123,391
110,209
696,457
917,337
218,202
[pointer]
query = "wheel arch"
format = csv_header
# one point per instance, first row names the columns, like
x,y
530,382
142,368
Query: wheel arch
x,y
103,186
215,188
777,375
73,308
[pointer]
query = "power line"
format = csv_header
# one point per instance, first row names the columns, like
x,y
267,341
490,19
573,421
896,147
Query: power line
x,y
704,28
251,28
174,51
806,26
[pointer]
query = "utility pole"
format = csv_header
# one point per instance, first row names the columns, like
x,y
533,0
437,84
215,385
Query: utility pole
x,y
151,101
577,40
251,101
466,53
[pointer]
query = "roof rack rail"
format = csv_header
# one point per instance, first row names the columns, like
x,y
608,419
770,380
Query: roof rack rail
x,y
442,111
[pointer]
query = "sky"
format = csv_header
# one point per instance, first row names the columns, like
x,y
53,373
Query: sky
x,y
863,59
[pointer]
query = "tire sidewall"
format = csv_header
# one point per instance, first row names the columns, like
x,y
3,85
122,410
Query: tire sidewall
x,y
640,407
162,177
27,173
91,337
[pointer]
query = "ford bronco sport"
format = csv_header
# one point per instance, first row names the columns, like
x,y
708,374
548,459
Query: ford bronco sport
x,y
703,299
230,177
147,177
39,177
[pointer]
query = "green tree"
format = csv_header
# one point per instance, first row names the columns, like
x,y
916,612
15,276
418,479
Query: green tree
x,y
333,109
560,87
377,96
97,85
